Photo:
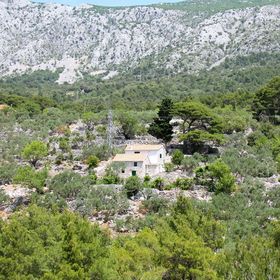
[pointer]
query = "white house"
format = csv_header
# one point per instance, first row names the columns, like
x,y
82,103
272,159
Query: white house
x,y
141,160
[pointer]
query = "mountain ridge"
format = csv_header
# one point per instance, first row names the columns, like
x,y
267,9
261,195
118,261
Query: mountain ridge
x,y
86,40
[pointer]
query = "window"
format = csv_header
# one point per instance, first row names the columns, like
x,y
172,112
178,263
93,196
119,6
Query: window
x,y
135,164
123,171
133,173
136,152
160,156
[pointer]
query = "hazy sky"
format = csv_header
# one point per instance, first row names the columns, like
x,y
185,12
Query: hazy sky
x,y
107,2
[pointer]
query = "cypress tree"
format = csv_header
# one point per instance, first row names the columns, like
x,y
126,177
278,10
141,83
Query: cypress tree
x,y
161,127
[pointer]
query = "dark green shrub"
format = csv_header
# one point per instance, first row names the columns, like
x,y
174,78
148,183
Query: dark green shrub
x,y
133,185
184,183
29,177
67,184
91,178
156,204
217,177
257,138
51,201
158,183
111,177
57,244
92,161
256,162
64,145
189,163
147,181
97,198
169,187
177,157
169,167
266,105
128,123
100,151
7,172
234,120
35,151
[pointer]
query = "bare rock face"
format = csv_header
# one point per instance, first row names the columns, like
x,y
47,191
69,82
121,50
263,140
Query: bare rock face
x,y
19,3
85,39
18,196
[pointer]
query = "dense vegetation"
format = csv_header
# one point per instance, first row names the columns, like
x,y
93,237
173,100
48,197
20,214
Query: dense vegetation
x,y
230,137
242,75
188,244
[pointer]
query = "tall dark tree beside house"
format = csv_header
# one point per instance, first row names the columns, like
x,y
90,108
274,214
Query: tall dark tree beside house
x,y
161,127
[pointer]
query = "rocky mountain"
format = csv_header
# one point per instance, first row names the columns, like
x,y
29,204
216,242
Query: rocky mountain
x,y
108,41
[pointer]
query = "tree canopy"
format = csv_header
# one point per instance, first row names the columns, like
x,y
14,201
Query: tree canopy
x,y
35,151
266,105
161,127
199,123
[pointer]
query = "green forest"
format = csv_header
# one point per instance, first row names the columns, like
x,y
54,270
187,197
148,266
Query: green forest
x,y
228,146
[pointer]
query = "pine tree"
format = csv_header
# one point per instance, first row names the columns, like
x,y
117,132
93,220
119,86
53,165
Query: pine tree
x,y
161,127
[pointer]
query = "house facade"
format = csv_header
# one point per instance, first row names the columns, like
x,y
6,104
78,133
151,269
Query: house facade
x,y
141,160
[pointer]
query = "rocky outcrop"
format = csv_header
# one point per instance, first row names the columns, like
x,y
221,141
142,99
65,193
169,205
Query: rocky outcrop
x,y
105,42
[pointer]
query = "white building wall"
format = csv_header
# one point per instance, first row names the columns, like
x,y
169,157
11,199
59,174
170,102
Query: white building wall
x,y
138,152
153,166
129,167
153,155
152,170
157,159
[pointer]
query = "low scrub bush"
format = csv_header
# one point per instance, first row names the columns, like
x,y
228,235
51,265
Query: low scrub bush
x,y
217,177
156,204
189,163
177,157
92,161
7,172
29,177
158,183
111,177
169,167
51,201
68,184
100,151
97,198
64,145
246,161
133,185
184,183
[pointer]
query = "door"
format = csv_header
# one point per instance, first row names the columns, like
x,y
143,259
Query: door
x,y
134,173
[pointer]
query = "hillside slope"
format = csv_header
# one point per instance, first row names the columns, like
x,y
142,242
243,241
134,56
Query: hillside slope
x,y
96,41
